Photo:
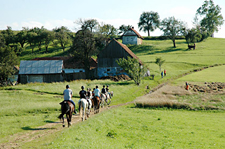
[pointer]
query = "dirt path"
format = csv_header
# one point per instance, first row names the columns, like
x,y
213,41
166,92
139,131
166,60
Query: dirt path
x,y
17,140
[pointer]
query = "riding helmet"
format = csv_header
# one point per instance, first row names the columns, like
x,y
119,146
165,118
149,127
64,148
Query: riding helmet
x,y
82,87
67,86
103,85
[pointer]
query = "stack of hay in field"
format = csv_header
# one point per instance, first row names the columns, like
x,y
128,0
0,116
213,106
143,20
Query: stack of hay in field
x,y
209,87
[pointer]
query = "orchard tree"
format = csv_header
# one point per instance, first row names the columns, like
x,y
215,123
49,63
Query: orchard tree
x,y
211,15
107,30
172,28
149,21
21,37
31,39
193,35
48,37
133,68
62,35
91,24
123,28
85,45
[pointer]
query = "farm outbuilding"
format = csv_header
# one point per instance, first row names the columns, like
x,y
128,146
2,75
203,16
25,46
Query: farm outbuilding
x,y
107,65
40,71
131,36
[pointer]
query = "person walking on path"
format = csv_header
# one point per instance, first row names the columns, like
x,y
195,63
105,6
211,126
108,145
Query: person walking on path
x,y
162,74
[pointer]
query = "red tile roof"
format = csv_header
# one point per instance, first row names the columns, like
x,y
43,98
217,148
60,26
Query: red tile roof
x,y
135,33
128,51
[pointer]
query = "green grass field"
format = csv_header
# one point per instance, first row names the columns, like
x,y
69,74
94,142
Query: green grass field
x,y
24,107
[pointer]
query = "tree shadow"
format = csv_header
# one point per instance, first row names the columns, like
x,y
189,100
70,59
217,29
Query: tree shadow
x,y
29,128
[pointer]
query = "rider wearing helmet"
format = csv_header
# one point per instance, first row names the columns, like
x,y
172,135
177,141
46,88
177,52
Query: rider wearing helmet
x,y
107,91
82,93
103,90
67,94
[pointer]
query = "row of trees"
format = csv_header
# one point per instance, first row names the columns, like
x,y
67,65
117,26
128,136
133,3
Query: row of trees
x,y
207,20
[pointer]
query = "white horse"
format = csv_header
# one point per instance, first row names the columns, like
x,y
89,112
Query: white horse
x,y
106,98
84,108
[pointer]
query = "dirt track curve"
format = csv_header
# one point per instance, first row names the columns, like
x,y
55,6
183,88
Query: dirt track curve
x,y
17,140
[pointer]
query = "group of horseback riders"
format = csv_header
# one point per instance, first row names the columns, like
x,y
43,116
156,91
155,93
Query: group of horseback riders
x,y
96,93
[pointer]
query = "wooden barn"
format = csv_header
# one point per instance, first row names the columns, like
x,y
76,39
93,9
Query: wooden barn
x,y
40,71
107,65
131,36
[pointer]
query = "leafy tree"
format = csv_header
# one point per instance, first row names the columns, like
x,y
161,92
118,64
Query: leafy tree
x,y
212,17
8,36
124,28
48,37
90,24
159,61
31,39
85,45
172,28
193,35
108,30
62,35
132,67
8,60
21,37
149,21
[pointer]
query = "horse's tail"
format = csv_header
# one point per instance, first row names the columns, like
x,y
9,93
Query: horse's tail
x,y
80,108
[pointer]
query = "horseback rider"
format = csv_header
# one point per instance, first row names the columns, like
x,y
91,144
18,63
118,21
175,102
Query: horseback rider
x,y
82,93
97,92
107,91
103,90
67,94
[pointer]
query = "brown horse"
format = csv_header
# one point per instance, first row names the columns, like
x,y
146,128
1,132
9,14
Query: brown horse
x,y
66,108
96,104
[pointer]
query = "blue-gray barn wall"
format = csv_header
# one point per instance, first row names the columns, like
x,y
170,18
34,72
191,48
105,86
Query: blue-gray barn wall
x,y
114,71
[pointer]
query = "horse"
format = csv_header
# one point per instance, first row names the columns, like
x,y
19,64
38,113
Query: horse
x,y
84,108
106,98
66,108
96,104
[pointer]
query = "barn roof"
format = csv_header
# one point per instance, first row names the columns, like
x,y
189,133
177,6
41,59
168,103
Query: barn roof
x,y
132,29
41,67
70,62
128,51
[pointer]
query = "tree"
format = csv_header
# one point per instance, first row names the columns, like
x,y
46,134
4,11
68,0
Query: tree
x,y
85,44
48,37
31,39
108,30
8,36
193,35
123,28
159,61
149,21
90,24
212,17
8,60
21,37
132,67
172,28
62,36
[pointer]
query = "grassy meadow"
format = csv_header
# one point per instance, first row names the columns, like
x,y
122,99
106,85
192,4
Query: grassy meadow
x,y
25,107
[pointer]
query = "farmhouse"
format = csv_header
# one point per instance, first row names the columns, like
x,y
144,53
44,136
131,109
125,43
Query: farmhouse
x,y
131,36
40,71
107,65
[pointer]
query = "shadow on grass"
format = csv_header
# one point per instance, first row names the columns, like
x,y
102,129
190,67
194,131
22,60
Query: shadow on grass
x,y
29,128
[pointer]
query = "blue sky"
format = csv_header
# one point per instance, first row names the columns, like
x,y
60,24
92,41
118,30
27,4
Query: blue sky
x,y
56,13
